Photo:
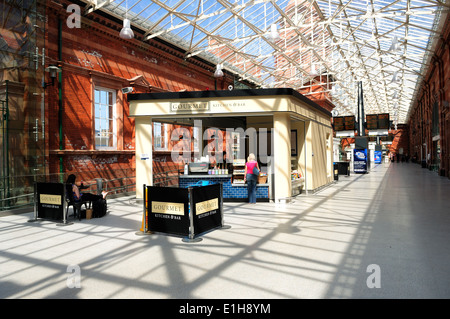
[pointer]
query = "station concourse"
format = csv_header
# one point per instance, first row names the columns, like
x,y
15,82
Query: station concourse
x,y
130,94
393,221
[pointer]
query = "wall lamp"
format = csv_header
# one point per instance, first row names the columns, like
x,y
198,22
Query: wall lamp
x,y
53,70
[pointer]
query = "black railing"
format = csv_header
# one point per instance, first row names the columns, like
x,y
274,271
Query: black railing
x,y
167,178
21,190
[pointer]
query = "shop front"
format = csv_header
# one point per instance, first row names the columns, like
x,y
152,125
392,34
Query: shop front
x,y
290,136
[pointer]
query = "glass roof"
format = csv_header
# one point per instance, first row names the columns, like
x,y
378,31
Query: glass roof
x,y
385,45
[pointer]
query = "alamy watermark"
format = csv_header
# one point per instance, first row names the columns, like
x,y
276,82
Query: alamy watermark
x,y
257,142
74,278
74,19
374,279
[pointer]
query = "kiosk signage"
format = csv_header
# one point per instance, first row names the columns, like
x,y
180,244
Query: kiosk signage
x,y
360,161
50,200
168,210
207,208
184,212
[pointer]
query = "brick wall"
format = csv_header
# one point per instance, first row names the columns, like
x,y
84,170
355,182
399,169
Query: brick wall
x,y
94,56
433,93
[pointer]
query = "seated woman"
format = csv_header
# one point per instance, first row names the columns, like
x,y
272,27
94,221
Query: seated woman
x,y
78,196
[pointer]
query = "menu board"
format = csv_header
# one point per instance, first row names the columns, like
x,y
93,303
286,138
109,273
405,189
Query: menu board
x,y
372,121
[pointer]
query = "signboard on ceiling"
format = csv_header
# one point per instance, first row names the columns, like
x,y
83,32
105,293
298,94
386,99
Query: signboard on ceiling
x,y
383,121
377,121
349,122
372,121
344,123
338,123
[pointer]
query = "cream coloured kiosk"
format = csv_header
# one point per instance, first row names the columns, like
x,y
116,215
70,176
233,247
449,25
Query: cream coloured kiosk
x,y
300,143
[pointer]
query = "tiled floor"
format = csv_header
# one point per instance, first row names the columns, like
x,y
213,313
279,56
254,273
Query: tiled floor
x,y
385,234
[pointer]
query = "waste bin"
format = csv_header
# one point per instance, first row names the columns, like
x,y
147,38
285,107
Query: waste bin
x,y
344,168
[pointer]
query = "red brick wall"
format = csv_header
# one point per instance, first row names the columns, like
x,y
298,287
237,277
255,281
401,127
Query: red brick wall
x,y
400,142
433,89
94,55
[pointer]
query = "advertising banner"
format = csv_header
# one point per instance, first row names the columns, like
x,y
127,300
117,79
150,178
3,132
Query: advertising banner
x,y
377,157
360,161
207,208
168,210
50,200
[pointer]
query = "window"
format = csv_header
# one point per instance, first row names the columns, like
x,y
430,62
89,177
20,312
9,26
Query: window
x,y
105,119
160,136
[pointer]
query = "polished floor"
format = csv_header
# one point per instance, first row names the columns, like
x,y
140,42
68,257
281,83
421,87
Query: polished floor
x,y
385,234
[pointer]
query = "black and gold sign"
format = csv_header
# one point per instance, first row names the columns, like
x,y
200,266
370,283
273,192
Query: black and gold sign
x,y
168,210
50,197
206,206
208,214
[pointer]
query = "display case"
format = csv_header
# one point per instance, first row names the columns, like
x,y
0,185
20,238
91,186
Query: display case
x,y
239,171
297,180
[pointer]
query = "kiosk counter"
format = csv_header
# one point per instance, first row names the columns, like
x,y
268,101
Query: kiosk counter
x,y
231,191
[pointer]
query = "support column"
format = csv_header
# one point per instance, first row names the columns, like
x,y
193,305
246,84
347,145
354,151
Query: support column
x,y
282,157
144,156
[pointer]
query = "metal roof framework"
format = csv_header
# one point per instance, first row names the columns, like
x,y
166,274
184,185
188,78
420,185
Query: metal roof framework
x,y
386,45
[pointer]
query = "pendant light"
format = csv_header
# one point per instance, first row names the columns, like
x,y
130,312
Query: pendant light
x,y
273,34
126,32
218,73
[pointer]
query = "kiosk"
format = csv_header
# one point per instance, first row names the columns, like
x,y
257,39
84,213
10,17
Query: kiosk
x,y
290,135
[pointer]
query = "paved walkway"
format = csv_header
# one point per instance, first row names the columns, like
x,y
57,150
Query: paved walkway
x,y
385,234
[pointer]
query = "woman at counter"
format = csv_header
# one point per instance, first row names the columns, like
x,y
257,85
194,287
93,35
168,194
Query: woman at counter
x,y
250,178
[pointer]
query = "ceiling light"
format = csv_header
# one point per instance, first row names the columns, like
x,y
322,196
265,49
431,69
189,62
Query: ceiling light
x,y
313,71
273,34
218,73
126,32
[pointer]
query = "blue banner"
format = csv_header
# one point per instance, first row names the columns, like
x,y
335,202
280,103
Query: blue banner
x,y
360,161
377,157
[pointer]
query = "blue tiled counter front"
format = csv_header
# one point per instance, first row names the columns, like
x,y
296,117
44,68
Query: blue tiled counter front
x,y
231,192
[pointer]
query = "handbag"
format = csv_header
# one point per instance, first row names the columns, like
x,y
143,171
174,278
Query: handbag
x,y
255,171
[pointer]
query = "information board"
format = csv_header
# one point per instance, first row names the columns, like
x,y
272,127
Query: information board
x,y
349,123
383,121
372,121
338,123
377,121
344,123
